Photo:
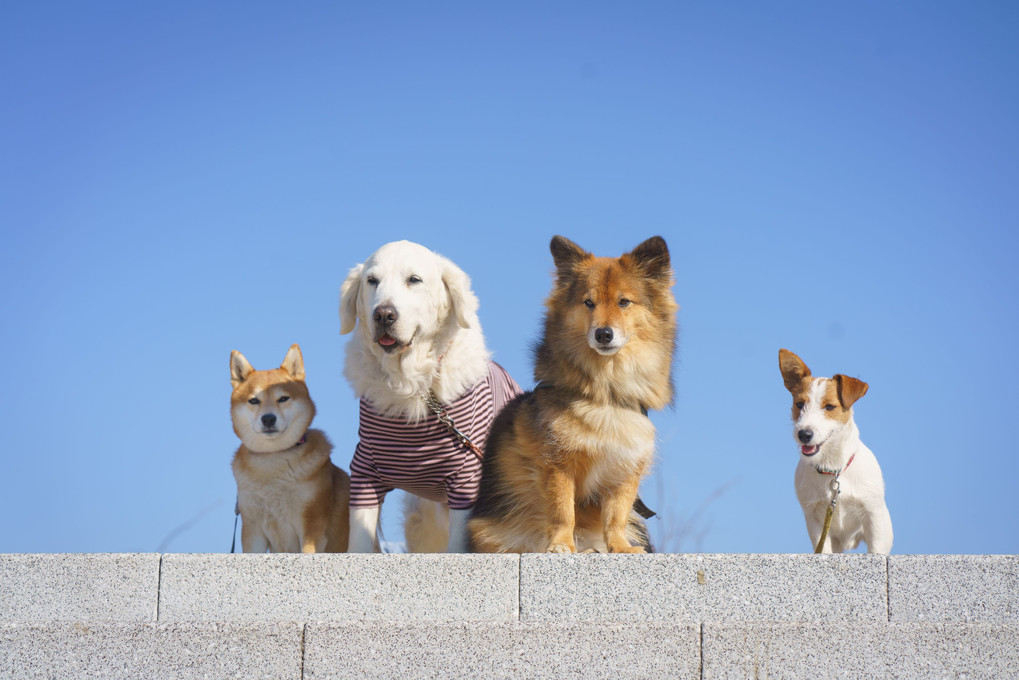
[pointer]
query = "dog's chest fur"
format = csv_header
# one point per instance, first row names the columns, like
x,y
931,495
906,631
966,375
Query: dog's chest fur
x,y
604,443
273,490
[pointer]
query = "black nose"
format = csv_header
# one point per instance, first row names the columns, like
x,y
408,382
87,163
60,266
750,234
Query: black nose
x,y
603,336
385,315
805,436
268,420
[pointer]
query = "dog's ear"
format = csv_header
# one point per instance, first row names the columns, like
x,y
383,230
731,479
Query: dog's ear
x,y
567,255
240,369
850,389
293,363
350,291
793,369
652,257
462,301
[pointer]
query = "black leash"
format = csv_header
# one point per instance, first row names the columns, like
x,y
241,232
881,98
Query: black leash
x,y
237,515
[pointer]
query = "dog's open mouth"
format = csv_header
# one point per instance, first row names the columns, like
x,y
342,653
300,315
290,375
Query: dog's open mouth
x,y
390,344
810,450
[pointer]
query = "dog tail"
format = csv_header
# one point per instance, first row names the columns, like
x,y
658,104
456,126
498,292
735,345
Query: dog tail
x,y
425,525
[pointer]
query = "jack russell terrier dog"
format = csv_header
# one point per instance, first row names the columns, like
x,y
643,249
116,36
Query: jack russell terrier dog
x,y
836,469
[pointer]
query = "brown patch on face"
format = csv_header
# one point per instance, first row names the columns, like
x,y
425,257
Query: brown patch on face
x,y
831,405
268,385
801,396
611,291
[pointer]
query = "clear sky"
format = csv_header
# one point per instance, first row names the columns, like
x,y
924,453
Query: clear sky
x,y
181,179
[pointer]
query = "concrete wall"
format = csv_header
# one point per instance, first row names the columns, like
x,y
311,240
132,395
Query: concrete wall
x,y
531,616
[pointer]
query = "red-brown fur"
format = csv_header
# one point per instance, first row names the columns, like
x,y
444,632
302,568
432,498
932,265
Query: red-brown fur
x,y
563,463
290,495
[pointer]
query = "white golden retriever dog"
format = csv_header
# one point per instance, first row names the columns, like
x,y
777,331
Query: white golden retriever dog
x,y
416,333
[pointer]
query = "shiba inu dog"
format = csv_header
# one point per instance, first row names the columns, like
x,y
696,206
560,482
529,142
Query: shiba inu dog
x,y
417,347
290,495
831,450
564,461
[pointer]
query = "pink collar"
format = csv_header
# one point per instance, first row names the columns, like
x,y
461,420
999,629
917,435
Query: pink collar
x,y
836,474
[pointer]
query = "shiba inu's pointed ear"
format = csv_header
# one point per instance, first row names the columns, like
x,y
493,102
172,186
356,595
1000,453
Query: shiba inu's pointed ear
x,y
850,389
793,369
462,301
293,363
240,369
567,255
350,291
652,256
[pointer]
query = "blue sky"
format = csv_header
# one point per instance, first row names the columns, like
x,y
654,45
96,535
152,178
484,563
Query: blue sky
x,y
178,180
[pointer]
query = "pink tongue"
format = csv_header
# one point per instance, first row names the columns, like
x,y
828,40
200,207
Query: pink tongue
x,y
387,341
809,449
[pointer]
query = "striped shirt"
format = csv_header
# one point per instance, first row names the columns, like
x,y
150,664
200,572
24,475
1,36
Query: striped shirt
x,y
425,458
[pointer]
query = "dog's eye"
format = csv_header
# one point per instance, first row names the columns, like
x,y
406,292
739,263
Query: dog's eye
x,y
624,302
372,281
282,399
414,279
590,303
254,401
829,407
799,405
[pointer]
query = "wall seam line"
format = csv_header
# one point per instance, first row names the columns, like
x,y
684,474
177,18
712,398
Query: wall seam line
x,y
888,589
304,633
701,650
159,586
520,579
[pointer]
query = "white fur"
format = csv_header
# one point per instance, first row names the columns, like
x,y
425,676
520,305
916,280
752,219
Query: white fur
x,y
364,526
860,512
265,507
439,344
437,318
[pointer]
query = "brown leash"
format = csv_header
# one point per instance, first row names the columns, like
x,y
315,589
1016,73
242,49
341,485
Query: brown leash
x,y
835,491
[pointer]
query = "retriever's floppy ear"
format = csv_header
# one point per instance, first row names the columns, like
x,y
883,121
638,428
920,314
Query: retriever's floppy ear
x,y
293,363
793,369
652,257
462,301
349,293
850,389
240,369
567,255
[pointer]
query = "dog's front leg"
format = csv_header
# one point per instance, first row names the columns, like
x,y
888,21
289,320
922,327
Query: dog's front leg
x,y
458,530
252,539
562,520
877,531
364,523
615,511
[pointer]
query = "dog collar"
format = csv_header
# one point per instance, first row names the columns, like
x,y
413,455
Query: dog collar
x,y
835,473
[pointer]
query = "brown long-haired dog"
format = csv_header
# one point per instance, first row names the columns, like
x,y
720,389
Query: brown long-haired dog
x,y
563,462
